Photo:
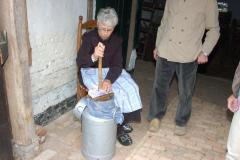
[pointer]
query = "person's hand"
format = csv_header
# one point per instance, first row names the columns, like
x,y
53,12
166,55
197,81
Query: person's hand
x,y
155,54
107,85
232,103
201,59
99,51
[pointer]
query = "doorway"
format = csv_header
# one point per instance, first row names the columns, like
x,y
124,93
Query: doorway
x,y
123,9
5,129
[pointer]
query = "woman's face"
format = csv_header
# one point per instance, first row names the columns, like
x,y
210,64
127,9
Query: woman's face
x,y
104,31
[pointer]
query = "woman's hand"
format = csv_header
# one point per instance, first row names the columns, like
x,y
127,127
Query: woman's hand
x,y
99,51
232,103
107,85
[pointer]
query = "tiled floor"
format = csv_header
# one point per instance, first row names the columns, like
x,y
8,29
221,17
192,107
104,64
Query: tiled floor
x,y
205,139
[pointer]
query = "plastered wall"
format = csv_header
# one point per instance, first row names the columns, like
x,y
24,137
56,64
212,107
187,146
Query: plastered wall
x,y
52,31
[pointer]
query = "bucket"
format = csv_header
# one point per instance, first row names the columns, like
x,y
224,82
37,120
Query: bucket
x,y
98,137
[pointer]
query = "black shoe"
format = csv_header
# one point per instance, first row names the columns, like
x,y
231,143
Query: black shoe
x,y
127,128
124,139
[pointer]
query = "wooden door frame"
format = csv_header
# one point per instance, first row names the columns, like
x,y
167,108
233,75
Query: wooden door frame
x,y
131,31
90,9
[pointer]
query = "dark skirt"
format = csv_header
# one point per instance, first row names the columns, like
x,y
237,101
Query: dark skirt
x,y
133,117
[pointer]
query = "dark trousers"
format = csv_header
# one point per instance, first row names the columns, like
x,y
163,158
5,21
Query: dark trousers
x,y
186,74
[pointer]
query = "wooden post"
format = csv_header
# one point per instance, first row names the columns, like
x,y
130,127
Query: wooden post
x,y
131,30
17,77
90,9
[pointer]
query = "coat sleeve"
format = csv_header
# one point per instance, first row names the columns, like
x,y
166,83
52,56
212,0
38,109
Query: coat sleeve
x,y
212,25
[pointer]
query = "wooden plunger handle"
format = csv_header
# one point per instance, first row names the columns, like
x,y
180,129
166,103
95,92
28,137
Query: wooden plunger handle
x,y
100,73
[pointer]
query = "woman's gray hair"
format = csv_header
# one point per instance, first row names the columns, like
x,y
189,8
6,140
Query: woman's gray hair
x,y
108,16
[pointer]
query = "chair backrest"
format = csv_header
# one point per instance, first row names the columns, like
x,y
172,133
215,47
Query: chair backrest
x,y
90,24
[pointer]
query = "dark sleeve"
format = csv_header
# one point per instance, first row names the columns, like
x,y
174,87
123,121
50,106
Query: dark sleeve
x,y
84,54
115,68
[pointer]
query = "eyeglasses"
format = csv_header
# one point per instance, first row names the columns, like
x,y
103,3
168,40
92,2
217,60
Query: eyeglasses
x,y
102,29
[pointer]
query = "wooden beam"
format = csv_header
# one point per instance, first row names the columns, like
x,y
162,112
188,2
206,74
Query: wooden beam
x,y
17,76
131,30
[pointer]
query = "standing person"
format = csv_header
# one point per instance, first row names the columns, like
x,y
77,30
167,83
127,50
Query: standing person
x,y
233,144
102,42
179,49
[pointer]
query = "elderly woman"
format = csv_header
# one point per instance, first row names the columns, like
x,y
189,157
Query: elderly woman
x,y
102,42
233,144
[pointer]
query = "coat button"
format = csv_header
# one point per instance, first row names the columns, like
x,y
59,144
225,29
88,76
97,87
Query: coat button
x,y
180,42
185,18
172,27
182,30
170,39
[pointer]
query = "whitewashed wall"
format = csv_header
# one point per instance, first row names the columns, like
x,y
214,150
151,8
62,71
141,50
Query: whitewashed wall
x,y
52,30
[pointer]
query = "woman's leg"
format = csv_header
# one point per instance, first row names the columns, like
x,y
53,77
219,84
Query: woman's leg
x,y
233,144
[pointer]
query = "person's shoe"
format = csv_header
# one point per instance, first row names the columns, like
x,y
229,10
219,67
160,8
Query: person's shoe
x,y
124,139
180,130
154,125
127,128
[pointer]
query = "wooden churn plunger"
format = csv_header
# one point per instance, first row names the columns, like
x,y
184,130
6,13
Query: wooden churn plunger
x,y
105,96
100,79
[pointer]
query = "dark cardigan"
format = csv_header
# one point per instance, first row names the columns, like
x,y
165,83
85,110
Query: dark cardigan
x,y
112,55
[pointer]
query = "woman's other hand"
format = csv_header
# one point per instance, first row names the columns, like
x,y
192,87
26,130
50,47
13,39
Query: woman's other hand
x,y
107,85
99,51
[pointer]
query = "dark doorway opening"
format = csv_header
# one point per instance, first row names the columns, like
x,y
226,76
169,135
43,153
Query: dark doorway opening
x,y
123,9
5,129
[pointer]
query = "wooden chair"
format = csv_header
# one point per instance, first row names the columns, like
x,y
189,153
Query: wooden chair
x,y
90,24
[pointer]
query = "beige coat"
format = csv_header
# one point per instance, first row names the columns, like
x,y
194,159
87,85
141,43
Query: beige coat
x,y
179,37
